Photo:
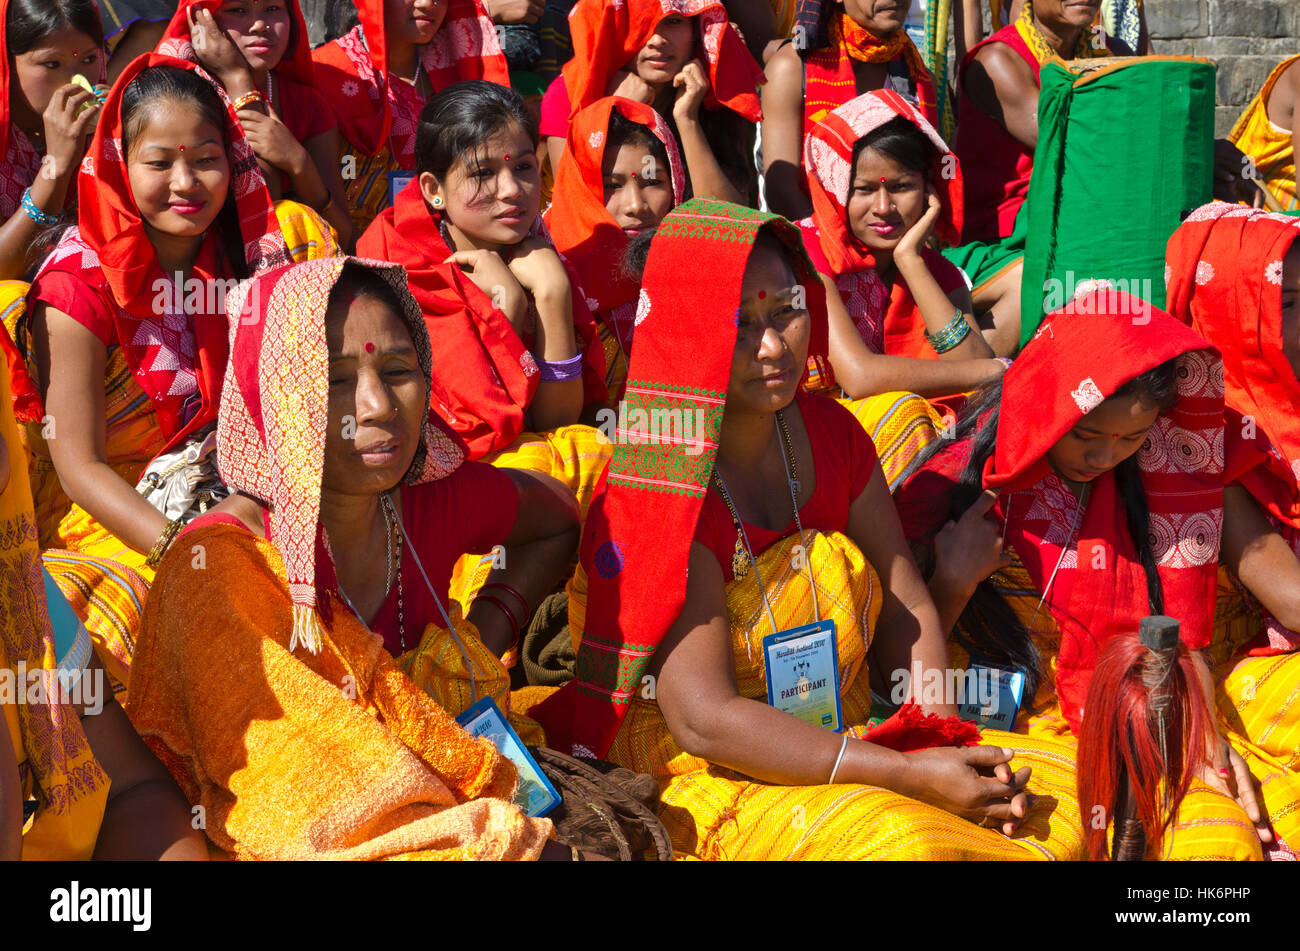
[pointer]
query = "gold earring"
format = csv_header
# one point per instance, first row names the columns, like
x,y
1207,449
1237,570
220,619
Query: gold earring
x,y
437,201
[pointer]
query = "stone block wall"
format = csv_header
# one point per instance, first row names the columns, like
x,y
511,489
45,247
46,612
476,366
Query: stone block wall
x,y
1245,38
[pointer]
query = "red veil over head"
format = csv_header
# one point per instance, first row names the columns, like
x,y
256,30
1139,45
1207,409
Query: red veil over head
x,y
296,63
112,246
828,158
608,35
582,229
1079,357
352,73
641,522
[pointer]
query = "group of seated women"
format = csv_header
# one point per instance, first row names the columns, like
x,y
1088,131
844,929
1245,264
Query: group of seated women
x,y
346,388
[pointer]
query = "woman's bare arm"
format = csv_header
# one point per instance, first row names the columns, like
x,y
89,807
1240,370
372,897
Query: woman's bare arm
x,y
862,373
74,401
782,98
324,151
1259,556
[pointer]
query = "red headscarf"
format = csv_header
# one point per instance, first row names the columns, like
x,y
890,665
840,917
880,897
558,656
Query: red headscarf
x,y
1080,356
641,522
486,376
352,73
829,71
828,158
608,35
275,409
1224,277
112,247
296,64
581,227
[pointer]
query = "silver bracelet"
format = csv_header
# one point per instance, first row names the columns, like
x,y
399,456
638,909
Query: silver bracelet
x,y
844,745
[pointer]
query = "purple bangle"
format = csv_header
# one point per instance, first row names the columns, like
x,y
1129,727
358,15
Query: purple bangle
x,y
561,370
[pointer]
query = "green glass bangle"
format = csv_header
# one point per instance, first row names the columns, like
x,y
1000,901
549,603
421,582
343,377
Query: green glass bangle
x,y
952,334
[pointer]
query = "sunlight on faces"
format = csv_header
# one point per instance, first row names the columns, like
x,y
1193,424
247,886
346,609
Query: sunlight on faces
x,y
260,29
492,201
879,215
1103,439
637,192
772,338
178,192
413,21
52,63
1291,307
881,17
381,387
665,53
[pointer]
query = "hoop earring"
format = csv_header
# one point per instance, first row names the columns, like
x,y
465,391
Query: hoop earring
x,y
437,202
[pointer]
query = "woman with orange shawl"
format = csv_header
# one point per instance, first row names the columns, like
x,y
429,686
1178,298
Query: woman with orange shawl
x,y
378,75
1234,275
684,58
99,792
259,52
868,50
350,495
693,558
126,316
620,177
44,117
1079,496
882,181
515,345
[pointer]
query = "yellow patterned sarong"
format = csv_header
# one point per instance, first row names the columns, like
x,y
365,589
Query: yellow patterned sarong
x,y
1258,701
1209,825
1269,147
716,813
900,425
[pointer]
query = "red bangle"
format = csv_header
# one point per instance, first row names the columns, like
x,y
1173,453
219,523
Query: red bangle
x,y
522,600
500,605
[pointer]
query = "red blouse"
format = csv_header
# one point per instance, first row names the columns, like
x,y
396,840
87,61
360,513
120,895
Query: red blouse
x,y
470,511
844,460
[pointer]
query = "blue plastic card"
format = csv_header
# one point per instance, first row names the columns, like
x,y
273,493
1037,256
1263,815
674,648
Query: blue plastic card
x,y
396,182
803,675
535,795
991,696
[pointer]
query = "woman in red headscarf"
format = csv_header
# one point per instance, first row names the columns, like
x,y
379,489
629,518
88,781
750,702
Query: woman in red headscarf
x,y
127,315
1079,496
389,58
868,50
44,117
882,182
1234,275
620,177
684,58
514,343
736,506
258,50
